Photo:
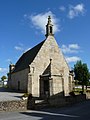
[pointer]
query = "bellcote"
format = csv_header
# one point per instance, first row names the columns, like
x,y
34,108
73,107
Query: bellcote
x,y
49,27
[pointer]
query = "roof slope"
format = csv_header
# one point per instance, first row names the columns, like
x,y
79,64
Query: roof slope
x,y
27,58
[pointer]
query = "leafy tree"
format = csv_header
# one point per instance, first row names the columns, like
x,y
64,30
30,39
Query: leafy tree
x,y
89,75
81,73
3,78
89,79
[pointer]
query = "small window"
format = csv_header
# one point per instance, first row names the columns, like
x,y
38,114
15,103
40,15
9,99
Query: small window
x,y
18,85
33,69
50,29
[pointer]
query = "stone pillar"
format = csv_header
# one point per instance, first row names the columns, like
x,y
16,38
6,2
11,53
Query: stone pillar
x,y
71,80
51,86
29,90
62,84
41,87
70,84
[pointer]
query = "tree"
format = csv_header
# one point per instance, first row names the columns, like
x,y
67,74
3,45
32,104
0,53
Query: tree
x,y
3,78
81,73
89,79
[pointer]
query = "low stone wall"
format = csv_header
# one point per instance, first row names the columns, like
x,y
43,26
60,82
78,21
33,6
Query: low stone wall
x,y
88,95
19,105
31,104
75,99
57,102
68,100
22,105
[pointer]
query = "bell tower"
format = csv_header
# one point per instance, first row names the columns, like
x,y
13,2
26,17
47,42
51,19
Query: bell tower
x,y
49,28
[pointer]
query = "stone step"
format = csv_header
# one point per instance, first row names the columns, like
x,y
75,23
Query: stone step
x,y
39,104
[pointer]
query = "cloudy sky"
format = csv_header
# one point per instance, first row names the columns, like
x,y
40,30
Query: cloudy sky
x,y
22,26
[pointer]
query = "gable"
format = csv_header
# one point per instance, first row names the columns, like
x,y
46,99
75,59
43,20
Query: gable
x,y
50,50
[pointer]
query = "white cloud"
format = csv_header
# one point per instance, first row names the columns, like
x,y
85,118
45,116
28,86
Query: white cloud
x,y
2,70
75,11
19,47
40,20
74,46
72,59
71,48
62,8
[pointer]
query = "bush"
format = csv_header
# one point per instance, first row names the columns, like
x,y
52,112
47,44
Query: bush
x,y
25,95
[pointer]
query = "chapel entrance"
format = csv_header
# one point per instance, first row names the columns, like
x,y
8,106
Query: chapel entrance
x,y
44,86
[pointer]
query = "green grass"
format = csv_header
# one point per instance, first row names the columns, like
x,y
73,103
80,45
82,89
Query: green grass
x,y
78,89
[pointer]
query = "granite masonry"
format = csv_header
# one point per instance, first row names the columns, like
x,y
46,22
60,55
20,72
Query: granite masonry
x,y
42,70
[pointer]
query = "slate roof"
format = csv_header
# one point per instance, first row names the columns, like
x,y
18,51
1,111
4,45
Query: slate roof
x,y
27,58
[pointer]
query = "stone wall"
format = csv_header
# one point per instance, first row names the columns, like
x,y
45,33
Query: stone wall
x,y
59,101
28,80
49,51
55,101
68,100
19,80
19,105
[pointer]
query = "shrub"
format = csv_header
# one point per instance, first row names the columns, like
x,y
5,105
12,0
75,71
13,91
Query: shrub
x,y
25,95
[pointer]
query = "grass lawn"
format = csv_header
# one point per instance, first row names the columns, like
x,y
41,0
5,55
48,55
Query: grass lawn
x,y
77,90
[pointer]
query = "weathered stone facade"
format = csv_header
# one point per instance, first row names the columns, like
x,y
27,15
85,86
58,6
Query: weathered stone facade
x,y
19,80
47,74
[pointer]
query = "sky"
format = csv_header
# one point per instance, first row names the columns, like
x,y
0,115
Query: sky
x,y
23,23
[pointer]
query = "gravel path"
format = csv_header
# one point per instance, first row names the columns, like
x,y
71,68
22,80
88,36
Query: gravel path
x,y
8,95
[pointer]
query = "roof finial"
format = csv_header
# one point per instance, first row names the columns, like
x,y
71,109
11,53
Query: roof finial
x,y
49,19
49,27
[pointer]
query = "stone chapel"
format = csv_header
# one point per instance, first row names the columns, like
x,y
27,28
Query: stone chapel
x,y
42,70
